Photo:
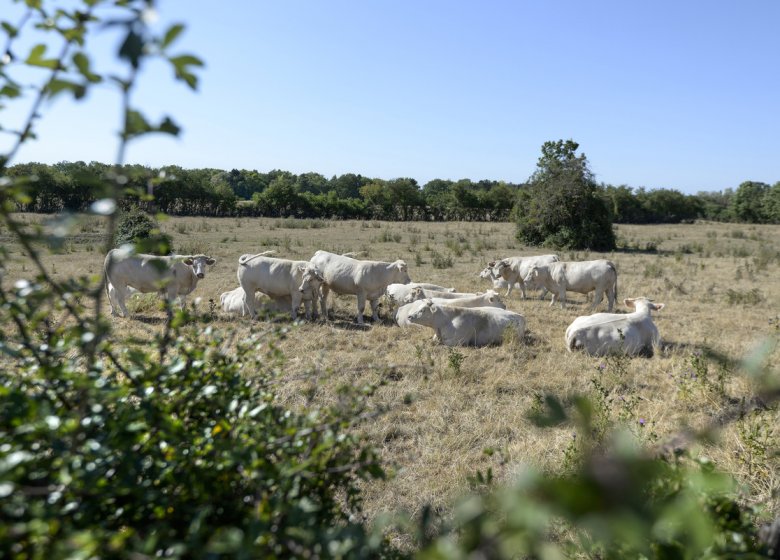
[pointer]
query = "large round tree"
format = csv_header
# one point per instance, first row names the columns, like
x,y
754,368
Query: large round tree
x,y
561,207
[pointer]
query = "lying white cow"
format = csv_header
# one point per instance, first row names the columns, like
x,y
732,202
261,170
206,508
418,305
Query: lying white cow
x,y
397,292
605,333
368,280
172,276
467,326
583,277
423,293
233,302
515,269
279,278
488,299
402,315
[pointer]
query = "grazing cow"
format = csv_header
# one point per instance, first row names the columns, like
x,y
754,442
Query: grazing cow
x,y
368,280
515,269
582,277
279,278
423,293
605,333
172,276
397,292
467,326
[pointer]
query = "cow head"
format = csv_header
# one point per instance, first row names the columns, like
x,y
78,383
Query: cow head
x,y
426,308
414,295
198,264
531,277
643,302
311,278
401,272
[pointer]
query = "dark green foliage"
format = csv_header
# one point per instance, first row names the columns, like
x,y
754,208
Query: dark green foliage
x,y
561,206
175,446
136,226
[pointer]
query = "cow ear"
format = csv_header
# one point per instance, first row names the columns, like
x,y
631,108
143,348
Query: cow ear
x,y
210,261
629,302
491,264
188,261
658,306
302,268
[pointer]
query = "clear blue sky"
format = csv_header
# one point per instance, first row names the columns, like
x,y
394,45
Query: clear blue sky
x,y
663,94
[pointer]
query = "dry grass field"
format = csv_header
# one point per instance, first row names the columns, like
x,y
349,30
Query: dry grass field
x,y
452,412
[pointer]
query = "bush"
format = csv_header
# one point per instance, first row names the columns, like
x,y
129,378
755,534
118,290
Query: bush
x,y
561,206
174,449
136,226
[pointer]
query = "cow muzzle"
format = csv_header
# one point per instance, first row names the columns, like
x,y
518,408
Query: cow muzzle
x,y
201,275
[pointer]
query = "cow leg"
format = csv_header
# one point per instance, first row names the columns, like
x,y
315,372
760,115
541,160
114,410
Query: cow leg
x,y
112,299
522,287
307,308
295,303
361,305
375,309
562,297
249,303
121,295
598,295
544,293
509,289
324,290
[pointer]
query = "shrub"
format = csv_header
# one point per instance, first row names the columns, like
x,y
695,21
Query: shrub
x,y
136,226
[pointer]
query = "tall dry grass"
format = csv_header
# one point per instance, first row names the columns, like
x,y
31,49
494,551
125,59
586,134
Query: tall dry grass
x,y
452,412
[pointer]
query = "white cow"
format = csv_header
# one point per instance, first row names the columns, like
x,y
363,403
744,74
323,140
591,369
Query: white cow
x,y
397,292
172,276
423,293
233,302
498,283
402,315
368,280
467,326
605,333
515,269
583,277
279,278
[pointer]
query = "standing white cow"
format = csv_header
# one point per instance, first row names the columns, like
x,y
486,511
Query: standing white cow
x,y
172,276
368,280
582,277
605,333
467,326
498,283
279,278
515,269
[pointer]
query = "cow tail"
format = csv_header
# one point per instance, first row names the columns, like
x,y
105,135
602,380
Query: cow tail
x,y
612,266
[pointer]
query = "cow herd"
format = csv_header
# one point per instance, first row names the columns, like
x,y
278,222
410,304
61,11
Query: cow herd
x,y
457,319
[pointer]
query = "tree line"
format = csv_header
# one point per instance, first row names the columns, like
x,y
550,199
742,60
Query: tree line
x,y
69,186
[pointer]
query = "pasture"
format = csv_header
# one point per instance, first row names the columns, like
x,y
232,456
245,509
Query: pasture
x,y
451,412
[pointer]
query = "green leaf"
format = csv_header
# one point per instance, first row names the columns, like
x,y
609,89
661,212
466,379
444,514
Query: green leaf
x,y
58,86
82,63
170,36
132,48
169,127
35,58
181,66
9,29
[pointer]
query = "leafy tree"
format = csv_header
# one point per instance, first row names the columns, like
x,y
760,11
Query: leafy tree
x,y
748,202
772,204
404,195
562,207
